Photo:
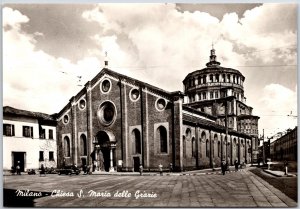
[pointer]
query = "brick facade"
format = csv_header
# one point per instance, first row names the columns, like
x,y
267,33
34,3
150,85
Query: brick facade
x,y
117,123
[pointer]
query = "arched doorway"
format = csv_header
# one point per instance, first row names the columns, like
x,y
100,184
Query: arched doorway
x,y
105,153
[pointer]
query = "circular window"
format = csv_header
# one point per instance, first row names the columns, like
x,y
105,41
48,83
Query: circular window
x,y
105,86
66,119
134,94
161,104
82,104
107,113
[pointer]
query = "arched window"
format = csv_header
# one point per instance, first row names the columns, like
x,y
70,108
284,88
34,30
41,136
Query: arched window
x,y
217,78
188,133
213,148
162,133
237,148
83,145
207,148
193,147
136,140
211,78
184,146
67,146
203,138
219,148
213,145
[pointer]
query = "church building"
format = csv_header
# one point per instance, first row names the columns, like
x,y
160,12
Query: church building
x,y
117,123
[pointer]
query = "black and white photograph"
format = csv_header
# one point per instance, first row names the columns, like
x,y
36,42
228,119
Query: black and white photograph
x,y
149,105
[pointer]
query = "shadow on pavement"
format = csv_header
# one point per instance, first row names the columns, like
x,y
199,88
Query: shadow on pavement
x,y
10,198
287,185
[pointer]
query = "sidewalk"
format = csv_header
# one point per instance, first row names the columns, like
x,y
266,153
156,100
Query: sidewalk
x,y
208,171
279,173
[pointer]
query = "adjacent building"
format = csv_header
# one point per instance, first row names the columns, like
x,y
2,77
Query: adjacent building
x,y
285,147
117,122
28,138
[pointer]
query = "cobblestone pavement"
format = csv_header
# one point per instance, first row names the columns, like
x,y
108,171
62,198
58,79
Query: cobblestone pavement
x,y
235,189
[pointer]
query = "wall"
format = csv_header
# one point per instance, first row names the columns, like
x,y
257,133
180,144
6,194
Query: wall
x,y
31,146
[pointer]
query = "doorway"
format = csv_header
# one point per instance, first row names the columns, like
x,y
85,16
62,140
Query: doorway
x,y
104,152
19,157
136,164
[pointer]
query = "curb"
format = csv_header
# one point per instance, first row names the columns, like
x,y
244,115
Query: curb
x,y
271,173
279,175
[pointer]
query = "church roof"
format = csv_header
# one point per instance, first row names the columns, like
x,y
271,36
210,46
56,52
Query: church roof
x,y
211,125
128,79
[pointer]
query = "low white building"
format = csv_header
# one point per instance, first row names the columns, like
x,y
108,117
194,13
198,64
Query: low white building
x,y
30,138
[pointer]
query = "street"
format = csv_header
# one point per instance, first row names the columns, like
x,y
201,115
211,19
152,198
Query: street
x,y
235,189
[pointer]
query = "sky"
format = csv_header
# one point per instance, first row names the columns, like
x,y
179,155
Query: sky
x,y
51,50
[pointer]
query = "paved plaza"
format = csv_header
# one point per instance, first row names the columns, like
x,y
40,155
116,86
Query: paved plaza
x,y
235,189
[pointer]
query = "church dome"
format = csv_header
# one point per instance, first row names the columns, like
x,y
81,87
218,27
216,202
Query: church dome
x,y
214,82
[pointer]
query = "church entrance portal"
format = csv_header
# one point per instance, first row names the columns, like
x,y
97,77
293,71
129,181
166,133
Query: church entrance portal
x,y
105,158
136,164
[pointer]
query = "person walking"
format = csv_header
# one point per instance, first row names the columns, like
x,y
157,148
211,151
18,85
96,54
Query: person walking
x,y
42,171
236,165
141,169
160,168
84,168
18,168
171,168
223,167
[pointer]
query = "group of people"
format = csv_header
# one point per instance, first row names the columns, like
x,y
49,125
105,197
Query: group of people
x,y
160,169
224,166
16,169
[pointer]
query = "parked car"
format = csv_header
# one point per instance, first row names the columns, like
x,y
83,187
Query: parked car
x,y
31,172
69,170
50,170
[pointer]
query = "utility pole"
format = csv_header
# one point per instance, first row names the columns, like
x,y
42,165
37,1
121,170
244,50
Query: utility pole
x,y
226,132
263,138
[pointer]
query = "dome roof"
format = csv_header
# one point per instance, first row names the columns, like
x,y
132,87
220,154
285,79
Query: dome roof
x,y
213,66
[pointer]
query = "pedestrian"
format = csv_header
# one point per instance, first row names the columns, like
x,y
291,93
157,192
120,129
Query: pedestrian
x,y
88,168
64,163
160,168
42,171
84,168
236,165
223,167
141,170
171,167
18,168
94,166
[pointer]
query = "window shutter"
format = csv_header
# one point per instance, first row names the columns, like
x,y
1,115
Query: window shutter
x,y
23,130
31,132
12,130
